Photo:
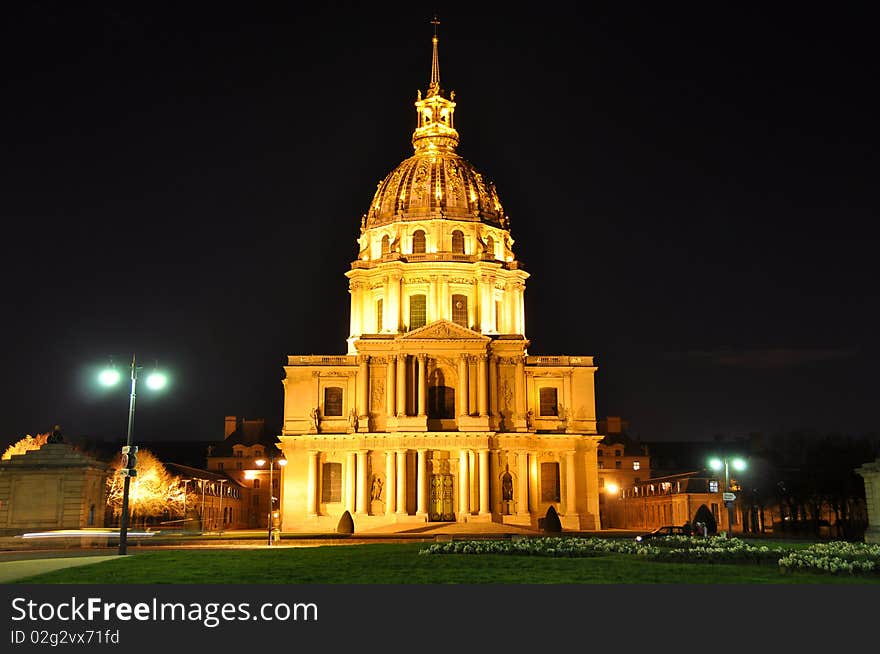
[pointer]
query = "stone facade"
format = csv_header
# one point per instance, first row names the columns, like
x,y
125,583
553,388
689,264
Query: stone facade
x,y
870,472
54,487
437,412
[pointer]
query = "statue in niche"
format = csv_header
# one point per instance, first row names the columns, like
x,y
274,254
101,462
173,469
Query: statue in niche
x,y
529,420
353,420
507,486
316,418
376,489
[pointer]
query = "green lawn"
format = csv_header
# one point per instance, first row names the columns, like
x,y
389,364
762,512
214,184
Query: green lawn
x,y
402,564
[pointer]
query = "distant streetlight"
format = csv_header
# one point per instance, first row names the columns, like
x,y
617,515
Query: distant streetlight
x,y
717,464
183,524
281,463
110,377
222,515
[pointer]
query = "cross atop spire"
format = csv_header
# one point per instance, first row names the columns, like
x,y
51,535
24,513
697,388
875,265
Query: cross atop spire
x,y
434,86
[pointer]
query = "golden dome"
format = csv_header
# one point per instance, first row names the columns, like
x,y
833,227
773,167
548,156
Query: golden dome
x,y
438,184
435,182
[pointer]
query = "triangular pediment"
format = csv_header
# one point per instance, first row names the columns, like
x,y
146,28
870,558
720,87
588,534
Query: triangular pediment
x,y
443,330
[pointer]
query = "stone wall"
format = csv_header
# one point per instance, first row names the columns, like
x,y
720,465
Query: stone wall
x,y
55,487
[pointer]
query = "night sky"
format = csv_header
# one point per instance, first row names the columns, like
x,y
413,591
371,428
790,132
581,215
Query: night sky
x,y
691,186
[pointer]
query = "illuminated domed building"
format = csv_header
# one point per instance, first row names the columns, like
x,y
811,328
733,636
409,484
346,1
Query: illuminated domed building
x,y
437,412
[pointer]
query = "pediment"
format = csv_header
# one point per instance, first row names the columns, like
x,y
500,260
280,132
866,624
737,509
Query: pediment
x,y
443,330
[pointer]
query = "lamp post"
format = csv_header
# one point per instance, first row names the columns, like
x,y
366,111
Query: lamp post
x,y
220,510
725,462
281,463
156,381
202,507
183,524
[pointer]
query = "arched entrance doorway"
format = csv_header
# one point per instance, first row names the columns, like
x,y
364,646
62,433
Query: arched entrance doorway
x,y
441,402
441,504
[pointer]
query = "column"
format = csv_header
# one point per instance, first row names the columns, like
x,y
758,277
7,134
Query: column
x,y
401,482
389,386
349,481
520,297
361,493
354,288
570,488
464,490
484,482
522,482
390,490
312,488
392,308
519,388
493,385
461,394
387,307
443,300
363,387
422,384
401,384
433,300
485,313
482,400
422,483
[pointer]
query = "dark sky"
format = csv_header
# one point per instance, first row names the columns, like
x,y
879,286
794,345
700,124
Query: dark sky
x,y
691,186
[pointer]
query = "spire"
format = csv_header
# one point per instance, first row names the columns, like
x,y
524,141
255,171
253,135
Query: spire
x,y
434,86
435,128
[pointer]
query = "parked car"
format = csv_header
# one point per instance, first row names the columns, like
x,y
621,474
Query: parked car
x,y
662,532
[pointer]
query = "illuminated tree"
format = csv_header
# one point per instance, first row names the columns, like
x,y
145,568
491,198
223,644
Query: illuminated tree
x,y
25,444
153,492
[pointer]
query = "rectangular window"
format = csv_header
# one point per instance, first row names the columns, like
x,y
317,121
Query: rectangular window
x,y
636,465
601,465
417,311
549,482
379,307
219,465
256,483
548,402
332,401
331,482
617,464
713,486
460,310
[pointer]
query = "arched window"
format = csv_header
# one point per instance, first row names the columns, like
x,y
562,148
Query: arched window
x,y
460,310
386,245
332,401
490,246
419,242
331,482
549,482
457,242
379,308
417,311
548,405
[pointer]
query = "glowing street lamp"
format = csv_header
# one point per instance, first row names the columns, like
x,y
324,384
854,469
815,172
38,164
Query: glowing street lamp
x,y
717,464
155,381
281,463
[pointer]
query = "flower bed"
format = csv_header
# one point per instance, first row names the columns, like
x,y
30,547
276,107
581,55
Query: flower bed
x,y
836,557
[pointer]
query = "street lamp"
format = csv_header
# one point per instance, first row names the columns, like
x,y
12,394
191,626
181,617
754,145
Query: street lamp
x,y
220,511
183,524
155,381
281,463
717,464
